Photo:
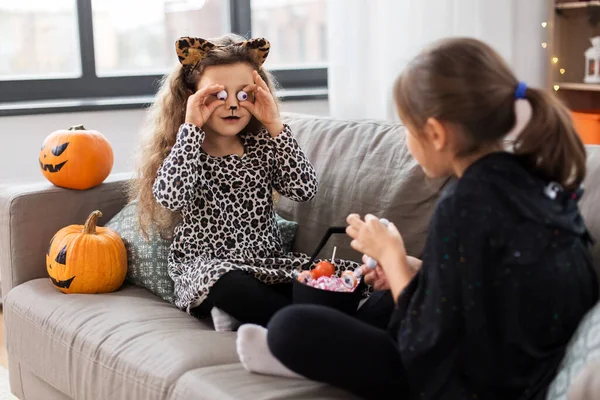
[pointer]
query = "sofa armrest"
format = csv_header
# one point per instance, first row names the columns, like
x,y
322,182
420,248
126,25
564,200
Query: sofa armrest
x,y
30,214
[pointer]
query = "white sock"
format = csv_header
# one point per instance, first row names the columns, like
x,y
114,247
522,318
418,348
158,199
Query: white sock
x,y
222,321
255,355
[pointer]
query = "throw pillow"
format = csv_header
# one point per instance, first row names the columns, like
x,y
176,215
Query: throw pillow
x,y
583,347
288,232
147,260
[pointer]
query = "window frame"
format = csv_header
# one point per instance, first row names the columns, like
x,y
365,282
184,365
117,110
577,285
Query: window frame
x,y
89,86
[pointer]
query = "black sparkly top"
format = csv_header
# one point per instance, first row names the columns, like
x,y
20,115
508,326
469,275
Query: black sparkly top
x,y
506,278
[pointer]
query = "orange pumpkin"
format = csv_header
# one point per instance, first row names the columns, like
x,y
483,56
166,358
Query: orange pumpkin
x,y
76,158
87,258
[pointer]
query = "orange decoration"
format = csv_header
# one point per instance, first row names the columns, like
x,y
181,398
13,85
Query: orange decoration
x,y
87,258
323,268
76,158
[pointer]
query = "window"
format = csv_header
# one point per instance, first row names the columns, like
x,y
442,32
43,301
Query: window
x,y
301,45
102,49
323,39
136,37
297,22
38,40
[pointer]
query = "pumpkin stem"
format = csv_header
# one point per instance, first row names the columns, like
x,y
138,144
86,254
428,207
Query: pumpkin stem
x,y
77,128
90,224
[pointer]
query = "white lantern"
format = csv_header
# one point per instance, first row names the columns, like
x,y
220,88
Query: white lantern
x,y
592,62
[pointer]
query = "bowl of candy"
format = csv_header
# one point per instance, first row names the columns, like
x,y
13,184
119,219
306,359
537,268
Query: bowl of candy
x,y
321,286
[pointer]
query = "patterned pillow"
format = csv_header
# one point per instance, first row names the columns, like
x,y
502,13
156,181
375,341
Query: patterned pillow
x,y
147,260
288,232
583,347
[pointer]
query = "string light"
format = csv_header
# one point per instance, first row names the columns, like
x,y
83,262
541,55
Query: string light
x,y
554,59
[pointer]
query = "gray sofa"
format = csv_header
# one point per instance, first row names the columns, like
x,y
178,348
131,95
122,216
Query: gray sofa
x,y
132,345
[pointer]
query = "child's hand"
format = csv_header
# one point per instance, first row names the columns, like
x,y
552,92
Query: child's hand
x,y
374,239
385,245
198,109
414,263
264,107
375,276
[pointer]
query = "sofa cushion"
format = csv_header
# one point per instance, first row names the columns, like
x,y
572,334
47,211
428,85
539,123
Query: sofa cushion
x,y
583,349
128,344
362,167
287,229
123,345
591,200
232,382
586,385
147,260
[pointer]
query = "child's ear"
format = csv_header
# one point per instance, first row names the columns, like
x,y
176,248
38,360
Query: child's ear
x,y
437,133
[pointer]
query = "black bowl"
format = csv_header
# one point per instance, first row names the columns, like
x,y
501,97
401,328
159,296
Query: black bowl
x,y
346,302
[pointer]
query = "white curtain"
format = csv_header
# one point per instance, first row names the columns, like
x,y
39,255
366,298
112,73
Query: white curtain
x,y
370,42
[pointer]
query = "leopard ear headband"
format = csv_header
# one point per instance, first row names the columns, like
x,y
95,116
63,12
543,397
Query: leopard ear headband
x,y
191,50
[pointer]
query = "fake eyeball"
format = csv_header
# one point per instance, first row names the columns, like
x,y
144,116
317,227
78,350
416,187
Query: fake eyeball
x,y
349,279
371,263
242,96
304,276
222,95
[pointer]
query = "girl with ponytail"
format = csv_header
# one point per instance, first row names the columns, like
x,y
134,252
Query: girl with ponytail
x,y
506,274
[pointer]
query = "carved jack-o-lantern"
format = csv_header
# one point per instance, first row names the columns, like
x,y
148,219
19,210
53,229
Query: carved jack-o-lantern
x,y
76,158
86,258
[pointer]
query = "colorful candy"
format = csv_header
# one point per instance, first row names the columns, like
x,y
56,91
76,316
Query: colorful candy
x,y
322,276
331,283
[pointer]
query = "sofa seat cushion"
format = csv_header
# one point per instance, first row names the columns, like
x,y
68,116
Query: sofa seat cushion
x,y
233,382
128,344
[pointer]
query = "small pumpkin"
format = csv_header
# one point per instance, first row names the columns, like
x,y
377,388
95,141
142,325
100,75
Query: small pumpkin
x,y
76,158
87,258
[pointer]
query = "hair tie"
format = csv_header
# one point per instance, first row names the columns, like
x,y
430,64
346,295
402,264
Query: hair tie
x,y
520,92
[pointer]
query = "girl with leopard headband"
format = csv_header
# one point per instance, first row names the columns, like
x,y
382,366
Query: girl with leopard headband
x,y
217,152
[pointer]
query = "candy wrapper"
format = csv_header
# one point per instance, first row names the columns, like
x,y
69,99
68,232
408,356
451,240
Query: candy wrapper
x,y
331,283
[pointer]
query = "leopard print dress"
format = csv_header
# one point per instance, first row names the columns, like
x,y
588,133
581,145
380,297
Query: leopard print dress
x,y
226,204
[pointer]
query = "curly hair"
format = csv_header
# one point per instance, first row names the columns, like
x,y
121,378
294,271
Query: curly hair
x,y
165,116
